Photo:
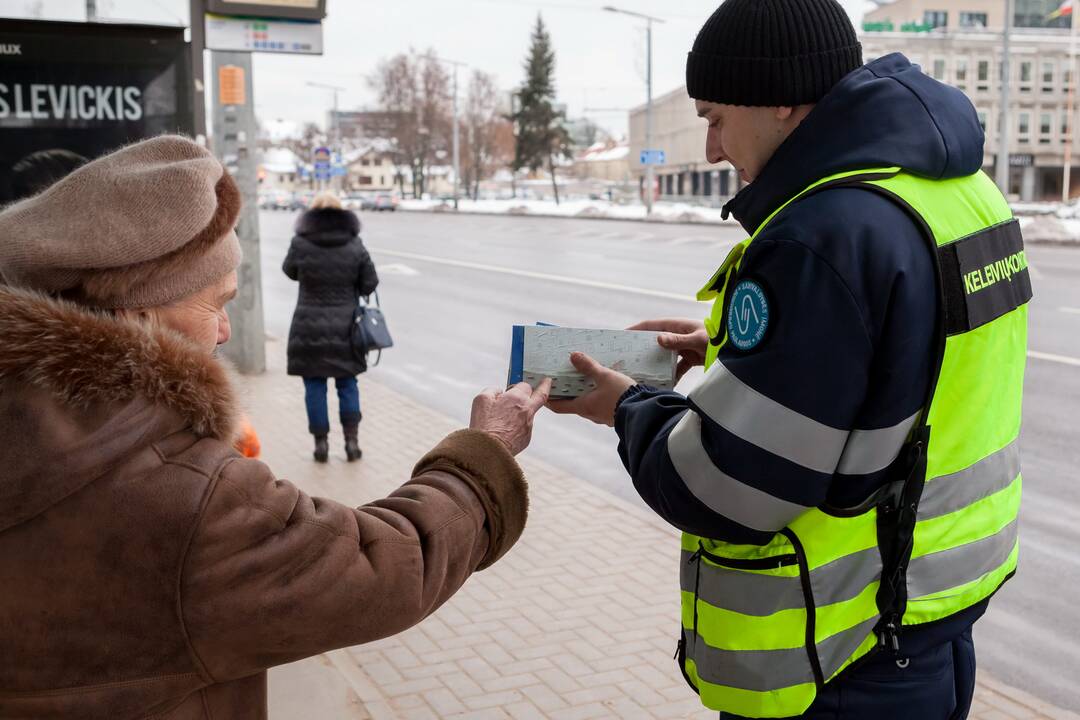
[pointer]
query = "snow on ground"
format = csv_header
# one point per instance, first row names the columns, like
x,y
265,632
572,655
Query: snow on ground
x,y
662,211
1041,222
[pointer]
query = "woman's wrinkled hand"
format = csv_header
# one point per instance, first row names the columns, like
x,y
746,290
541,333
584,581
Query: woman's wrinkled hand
x,y
508,415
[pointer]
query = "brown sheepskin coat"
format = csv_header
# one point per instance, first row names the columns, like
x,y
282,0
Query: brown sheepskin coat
x,y
147,570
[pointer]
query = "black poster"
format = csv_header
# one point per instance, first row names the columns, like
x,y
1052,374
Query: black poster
x,y
70,91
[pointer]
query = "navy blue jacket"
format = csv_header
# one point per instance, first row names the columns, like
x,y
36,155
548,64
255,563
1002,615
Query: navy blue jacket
x,y
851,291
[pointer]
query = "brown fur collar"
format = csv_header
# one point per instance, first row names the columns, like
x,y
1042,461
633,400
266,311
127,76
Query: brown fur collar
x,y
83,357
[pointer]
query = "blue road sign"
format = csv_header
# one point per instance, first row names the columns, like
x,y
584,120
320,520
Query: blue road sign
x,y
653,157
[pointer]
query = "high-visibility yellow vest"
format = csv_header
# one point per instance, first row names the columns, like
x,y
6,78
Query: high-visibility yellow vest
x,y
764,627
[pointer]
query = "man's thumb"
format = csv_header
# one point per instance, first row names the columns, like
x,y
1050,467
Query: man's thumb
x,y
674,341
585,364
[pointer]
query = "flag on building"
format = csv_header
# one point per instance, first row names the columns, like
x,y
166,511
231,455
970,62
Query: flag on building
x,y
1064,9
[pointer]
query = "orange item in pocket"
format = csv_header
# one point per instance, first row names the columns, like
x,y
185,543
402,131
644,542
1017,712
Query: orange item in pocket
x,y
248,443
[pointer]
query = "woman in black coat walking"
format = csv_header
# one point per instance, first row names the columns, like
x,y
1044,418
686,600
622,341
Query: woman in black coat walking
x,y
334,269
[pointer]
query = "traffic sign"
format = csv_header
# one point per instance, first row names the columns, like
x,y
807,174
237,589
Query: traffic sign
x,y
274,35
653,157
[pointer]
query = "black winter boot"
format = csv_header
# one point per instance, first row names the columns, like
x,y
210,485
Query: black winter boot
x,y
322,449
352,446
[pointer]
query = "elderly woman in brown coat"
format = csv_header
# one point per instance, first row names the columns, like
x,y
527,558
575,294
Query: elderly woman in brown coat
x,y
147,569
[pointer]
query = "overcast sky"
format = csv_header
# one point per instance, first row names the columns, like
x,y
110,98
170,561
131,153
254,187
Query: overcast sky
x,y
600,57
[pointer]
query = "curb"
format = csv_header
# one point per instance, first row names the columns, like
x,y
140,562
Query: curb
x,y
1029,702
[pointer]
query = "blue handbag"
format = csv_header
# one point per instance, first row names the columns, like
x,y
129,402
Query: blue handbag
x,y
369,330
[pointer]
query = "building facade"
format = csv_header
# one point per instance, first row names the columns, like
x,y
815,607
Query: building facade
x,y
605,161
1039,119
371,169
930,14
1041,82
685,176
366,124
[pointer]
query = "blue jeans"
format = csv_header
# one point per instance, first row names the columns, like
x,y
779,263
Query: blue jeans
x,y
935,685
315,399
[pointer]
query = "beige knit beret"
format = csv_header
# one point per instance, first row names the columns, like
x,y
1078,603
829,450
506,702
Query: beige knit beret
x,y
143,226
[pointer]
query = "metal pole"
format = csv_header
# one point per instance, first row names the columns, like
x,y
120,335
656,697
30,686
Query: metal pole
x,y
1002,169
198,44
650,179
1066,171
337,123
91,11
457,143
337,143
235,134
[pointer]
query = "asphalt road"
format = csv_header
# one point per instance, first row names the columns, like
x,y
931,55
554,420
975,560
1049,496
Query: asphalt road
x,y
452,286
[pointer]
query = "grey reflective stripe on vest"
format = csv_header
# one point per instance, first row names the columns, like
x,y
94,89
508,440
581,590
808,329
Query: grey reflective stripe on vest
x,y
763,670
844,578
757,670
868,451
758,594
937,572
834,651
747,593
949,493
720,492
761,421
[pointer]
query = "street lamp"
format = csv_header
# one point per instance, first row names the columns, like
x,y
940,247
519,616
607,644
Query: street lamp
x,y
1002,169
457,130
337,122
650,179
1071,97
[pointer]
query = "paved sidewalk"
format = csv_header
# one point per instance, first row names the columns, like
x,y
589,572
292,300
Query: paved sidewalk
x,y
577,621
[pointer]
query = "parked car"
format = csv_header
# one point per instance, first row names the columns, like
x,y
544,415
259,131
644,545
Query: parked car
x,y
357,201
384,202
302,200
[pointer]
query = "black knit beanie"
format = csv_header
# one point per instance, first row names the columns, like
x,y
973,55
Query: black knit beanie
x,y
772,52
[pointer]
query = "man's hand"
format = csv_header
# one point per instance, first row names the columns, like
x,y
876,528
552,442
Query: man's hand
x,y
598,404
684,336
508,416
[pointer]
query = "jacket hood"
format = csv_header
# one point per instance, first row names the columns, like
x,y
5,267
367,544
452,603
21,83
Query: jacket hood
x,y
885,114
83,390
328,226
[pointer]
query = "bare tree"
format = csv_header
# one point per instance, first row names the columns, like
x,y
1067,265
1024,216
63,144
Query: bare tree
x,y
482,123
416,88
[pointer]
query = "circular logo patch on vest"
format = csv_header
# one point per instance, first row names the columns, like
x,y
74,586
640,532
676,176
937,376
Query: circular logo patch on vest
x,y
748,316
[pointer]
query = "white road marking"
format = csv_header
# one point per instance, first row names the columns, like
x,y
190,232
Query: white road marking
x,y
1063,359
397,269
444,380
1051,357
536,275
414,380
697,240
1071,310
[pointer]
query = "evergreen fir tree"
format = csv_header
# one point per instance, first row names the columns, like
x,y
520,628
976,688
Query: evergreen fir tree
x,y
541,134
